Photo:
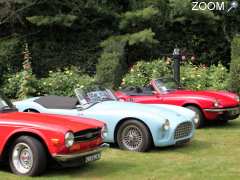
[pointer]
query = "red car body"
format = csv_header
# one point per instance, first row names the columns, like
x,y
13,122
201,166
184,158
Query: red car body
x,y
50,131
213,104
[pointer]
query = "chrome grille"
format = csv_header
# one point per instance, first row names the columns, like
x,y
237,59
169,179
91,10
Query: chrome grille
x,y
183,130
87,135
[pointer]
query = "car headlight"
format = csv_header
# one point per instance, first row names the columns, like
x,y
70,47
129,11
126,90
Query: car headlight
x,y
238,99
69,139
216,103
196,119
104,131
166,125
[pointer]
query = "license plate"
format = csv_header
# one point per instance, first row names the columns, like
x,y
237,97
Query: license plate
x,y
93,157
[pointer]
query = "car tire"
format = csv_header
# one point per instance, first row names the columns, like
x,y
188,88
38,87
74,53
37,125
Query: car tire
x,y
133,135
201,119
223,121
27,156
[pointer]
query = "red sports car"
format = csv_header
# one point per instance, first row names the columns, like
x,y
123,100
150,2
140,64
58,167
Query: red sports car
x,y
29,141
209,105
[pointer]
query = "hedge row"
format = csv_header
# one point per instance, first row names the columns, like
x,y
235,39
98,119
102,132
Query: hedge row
x,y
63,82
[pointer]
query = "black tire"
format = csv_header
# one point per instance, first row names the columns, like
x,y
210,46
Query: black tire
x,y
39,156
201,121
223,121
138,129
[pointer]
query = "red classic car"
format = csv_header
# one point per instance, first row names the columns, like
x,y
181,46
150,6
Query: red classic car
x,y
209,105
29,141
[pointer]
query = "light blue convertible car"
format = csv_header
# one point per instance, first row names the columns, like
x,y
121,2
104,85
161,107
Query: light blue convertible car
x,y
134,127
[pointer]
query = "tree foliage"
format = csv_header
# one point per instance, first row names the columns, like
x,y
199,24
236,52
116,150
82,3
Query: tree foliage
x,y
62,33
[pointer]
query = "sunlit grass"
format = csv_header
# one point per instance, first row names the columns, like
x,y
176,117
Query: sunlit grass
x,y
213,154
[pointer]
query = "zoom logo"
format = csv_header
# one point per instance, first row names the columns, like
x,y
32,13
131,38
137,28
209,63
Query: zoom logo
x,y
214,6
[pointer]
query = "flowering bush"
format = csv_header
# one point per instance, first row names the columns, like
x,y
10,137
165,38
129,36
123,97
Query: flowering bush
x,y
192,76
12,84
63,83
24,83
141,73
27,78
219,77
60,83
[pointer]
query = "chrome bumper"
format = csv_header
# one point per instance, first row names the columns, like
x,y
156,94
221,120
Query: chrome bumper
x,y
69,157
223,109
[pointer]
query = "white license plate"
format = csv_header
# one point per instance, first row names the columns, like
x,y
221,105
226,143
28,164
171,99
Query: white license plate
x,y
93,157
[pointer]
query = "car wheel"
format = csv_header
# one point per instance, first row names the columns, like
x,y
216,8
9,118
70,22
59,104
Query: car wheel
x,y
27,156
133,135
200,118
223,121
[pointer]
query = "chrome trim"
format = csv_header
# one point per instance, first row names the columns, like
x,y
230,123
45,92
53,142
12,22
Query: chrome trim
x,y
222,110
68,157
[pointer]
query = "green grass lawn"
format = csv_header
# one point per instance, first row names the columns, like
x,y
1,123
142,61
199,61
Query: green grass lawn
x,y
213,154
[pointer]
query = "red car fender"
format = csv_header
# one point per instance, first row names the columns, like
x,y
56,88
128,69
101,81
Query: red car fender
x,y
48,143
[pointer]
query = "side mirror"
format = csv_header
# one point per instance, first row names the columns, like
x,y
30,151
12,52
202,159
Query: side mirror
x,y
79,107
156,93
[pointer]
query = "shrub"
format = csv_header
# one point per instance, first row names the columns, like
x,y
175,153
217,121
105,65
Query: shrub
x,y
111,65
218,77
110,70
234,83
63,83
192,76
27,80
141,73
12,84
24,83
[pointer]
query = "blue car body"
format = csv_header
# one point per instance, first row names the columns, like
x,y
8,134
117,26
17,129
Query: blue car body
x,y
114,112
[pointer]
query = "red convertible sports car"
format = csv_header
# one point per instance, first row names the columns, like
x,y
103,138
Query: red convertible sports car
x,y
29,141
209,105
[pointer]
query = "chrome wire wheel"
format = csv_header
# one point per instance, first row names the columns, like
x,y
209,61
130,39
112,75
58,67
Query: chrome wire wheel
x,y
132,138
22,158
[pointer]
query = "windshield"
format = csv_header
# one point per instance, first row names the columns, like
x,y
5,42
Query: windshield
x,y
166,84
5,104
90,96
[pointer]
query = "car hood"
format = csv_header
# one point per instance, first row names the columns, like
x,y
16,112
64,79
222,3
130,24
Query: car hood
x,y
225,98
49,121
129,109
180,110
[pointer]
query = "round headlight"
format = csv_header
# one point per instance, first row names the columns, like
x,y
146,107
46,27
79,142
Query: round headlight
x,y
237,98
104,131
69,139
166,125
196,119
216,103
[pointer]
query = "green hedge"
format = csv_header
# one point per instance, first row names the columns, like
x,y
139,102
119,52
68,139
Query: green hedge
x,y
63,83
234,83
192,76
60,83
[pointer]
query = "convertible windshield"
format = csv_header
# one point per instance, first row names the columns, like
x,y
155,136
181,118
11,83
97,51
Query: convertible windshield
x,y
166,84
5,104
89,96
